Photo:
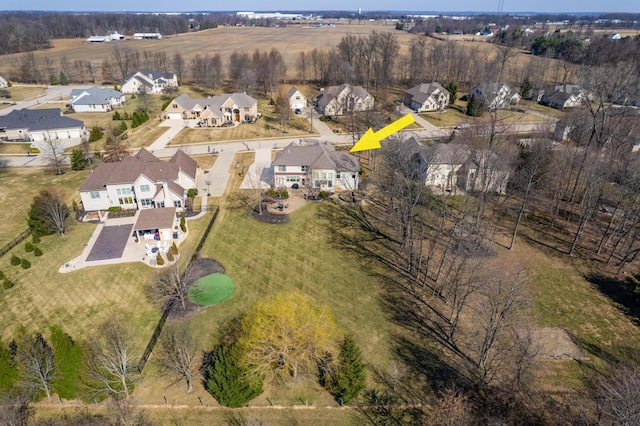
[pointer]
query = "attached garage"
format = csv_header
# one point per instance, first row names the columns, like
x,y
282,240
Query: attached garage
x,y
174,116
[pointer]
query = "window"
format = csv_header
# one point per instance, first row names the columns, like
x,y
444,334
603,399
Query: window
x,y
282,168
146,202
95,194
304,168
160,204
144,188
324,176
337,175
124,191
125,200
293,179
177,203
330,176
330,183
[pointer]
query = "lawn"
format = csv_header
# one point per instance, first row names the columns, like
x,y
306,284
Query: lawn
x,y
267,126
25,184
15,148
22,93
211,289
267,259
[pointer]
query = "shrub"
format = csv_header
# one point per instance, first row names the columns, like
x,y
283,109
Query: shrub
x,y
191,193
114,209
95,134
2,275
25,264
35,239
15,260
272,192
170,256
37,252
323,194
284,194
160,260
183,224
116,116
174,248
7,283
28,247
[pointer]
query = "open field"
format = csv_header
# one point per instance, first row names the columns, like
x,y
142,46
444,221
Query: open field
x,y
21,93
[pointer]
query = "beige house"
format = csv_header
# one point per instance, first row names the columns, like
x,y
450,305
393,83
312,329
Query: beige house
x,y
427,97
214,111
495,95
338,100
297,100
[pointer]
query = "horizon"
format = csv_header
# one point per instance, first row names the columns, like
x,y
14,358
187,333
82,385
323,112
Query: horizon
x,y
399,6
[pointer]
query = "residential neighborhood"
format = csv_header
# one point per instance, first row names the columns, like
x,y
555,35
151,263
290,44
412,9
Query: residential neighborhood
x,y
340,217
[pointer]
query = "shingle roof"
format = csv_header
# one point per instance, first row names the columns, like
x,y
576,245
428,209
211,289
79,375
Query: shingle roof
x,y
318,156
38,119
291,92
129,169
215,103
155,218
187,164
422,92
331,92
94,96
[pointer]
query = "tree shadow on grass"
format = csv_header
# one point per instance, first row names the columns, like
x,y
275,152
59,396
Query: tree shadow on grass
x,y
620,292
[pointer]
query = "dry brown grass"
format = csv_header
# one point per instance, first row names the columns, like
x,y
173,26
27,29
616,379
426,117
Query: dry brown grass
x,y
25,92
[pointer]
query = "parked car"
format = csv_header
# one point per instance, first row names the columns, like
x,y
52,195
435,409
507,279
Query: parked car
x,y
462,126
295,186
298,111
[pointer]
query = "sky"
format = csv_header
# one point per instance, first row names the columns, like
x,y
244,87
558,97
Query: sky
x,y
549,6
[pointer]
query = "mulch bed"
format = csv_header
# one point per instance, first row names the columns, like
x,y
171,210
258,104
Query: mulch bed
x,y
200,268
266,217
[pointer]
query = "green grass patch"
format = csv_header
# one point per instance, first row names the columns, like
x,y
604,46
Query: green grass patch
x,y
211,290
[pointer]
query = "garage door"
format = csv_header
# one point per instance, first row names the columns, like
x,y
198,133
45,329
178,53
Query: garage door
x,y
174,116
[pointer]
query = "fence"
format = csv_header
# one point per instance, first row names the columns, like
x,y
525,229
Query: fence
x,y
169,307
17,240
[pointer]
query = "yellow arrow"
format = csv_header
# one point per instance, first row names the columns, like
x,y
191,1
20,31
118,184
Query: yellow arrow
x,y
371,140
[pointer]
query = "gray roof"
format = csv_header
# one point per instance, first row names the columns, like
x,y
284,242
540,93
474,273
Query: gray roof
x,y
38,119
129,169
291,92
215,102
93,96
439,153
161,218
152,74
422,92
318,156
331,92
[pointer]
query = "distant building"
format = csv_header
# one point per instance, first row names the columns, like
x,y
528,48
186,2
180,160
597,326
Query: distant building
x,y
39,125
427,97
96,99
338,100
147,36
3,82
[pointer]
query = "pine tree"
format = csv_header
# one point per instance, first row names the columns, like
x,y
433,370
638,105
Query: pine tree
x,y
349,379
123,127
78,161
116,116
227,382
452,88
67,356
474,107
63,79
53,80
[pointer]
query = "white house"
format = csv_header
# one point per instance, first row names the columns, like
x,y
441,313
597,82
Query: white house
x,y
147,36
338,100
3,82
495,95
96,99
149,81
427,97
563,96
40,125
317,165
297,100
140,182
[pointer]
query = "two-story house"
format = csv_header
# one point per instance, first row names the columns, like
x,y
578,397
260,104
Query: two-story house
x,y
427,97
297,100
214,111
339,100
141,181
96,99
495,95
317,165
562,96
149,81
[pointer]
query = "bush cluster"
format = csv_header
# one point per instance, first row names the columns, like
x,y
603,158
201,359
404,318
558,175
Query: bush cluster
x,y
37,252
7,283
25,264
15,260
28,247
160,260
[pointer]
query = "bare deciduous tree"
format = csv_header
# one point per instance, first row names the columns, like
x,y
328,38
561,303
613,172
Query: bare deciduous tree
x,y
177,354
619,395
110,360
53,153
35,361
170,286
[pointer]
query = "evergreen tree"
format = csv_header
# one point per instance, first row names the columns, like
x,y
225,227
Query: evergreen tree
x,y
36,220
116,116
67,355
78,161
8,369
525,88
349,379
63,79
227,382
123,127
452,88
53,80
474,107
